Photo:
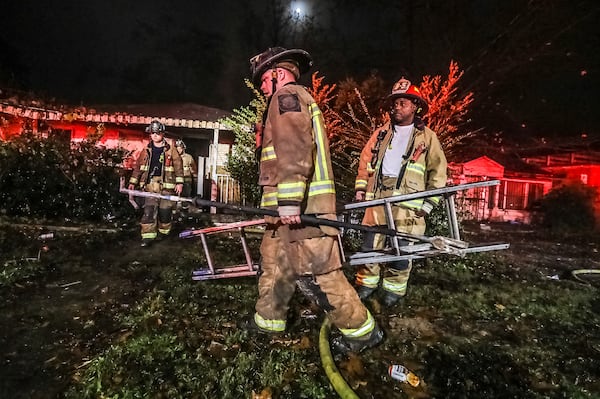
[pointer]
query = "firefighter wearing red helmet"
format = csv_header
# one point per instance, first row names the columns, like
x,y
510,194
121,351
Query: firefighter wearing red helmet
x,y
403,156
296,178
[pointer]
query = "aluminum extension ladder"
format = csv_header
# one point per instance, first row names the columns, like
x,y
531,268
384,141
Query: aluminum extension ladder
x,y
419,250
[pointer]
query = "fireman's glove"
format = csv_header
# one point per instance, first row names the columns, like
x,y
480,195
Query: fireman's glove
x,y
425,210
289,214
359,196
288,210
420,213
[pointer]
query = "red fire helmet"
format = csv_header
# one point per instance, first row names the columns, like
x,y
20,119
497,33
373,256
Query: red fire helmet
x,y
405,89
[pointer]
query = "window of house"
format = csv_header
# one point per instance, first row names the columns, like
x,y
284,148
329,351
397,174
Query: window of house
x,y
515,195
512,195
519,195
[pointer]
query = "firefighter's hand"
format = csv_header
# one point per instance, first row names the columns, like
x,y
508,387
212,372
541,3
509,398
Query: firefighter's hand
x,y
289,214
359,196
420,213
178,188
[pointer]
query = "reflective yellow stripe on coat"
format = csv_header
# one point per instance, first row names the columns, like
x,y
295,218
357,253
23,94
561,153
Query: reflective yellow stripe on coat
x,y
322,182
267,154
291,191
268,200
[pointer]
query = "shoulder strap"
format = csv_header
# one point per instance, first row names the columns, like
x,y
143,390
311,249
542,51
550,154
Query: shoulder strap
x,y
377,146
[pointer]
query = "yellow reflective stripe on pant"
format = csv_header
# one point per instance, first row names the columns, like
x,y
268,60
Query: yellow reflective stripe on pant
x,y
361,331
398,288
271,325
367,280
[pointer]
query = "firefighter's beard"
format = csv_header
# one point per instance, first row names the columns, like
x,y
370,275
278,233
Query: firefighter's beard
x,y
401,118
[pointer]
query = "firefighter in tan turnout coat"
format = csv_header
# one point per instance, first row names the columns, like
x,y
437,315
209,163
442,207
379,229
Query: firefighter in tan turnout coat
x,y
404,156
190,173
296,178
158,169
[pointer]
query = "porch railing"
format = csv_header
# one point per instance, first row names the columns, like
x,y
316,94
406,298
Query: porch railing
x,y
228,190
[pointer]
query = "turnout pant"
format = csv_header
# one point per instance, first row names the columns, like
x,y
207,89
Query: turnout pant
x,y
315,265
395,274
187,192
158,213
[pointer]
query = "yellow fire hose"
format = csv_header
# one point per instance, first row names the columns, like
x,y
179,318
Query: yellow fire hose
x,y
576,273
335,378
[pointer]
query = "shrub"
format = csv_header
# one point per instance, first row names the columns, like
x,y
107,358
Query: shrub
x,y
568,209
242,163
52,179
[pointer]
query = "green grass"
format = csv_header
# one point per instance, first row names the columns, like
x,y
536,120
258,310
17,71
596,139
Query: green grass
x,y
505,336
470,327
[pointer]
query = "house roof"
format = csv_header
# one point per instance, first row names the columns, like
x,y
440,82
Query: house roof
x,y
185,115
187,111
510,163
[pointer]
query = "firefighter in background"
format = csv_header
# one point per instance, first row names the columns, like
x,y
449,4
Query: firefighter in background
x,y
296,178
158,169
190,173
403,156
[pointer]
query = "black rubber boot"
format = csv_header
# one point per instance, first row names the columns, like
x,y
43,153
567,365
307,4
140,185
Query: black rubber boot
x,y
184,212
390,299
364,292
146,242
344,345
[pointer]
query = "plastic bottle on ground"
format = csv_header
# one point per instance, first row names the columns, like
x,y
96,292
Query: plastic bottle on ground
x,y
401,373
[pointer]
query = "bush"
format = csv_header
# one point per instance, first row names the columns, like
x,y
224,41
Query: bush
x,y
53,179
437,222
568,209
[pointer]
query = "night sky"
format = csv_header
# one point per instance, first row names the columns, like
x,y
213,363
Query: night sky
x,y
533,65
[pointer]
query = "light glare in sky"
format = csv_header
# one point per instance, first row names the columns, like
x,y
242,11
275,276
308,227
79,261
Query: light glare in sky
x,y
300,8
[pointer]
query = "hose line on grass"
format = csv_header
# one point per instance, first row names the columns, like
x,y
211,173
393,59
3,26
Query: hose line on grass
x,y
576,273
335,378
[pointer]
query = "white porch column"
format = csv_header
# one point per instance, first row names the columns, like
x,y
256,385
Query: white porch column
x,y
214,188
215,153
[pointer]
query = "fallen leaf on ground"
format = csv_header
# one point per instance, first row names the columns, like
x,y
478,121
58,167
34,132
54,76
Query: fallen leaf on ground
x,y
264,394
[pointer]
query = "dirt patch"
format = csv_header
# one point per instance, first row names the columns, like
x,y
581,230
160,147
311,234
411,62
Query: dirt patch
x,y
543,252
56,320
